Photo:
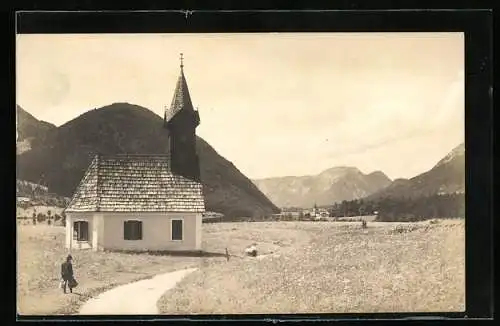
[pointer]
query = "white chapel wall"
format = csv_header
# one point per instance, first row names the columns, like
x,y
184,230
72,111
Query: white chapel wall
x,y
156,231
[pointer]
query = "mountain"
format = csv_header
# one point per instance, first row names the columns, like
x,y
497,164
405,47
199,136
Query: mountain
x,y
33,194
28,189
30,130
446,177
67,151
333,185
30,127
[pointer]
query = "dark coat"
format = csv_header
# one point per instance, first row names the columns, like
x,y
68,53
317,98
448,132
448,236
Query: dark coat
x,y
67,271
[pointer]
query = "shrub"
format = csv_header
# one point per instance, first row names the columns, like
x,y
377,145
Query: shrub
x,y
41,217
406,228
23,205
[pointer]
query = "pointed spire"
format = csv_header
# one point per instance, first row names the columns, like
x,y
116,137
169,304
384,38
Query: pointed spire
x,y
181,99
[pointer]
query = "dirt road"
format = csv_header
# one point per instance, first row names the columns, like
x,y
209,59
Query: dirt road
x,y
137,298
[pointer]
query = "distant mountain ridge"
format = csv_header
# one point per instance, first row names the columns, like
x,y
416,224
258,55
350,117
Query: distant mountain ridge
x,y
348,183
29,127
64,153
446,177
30,130
332,185
61,154
457,153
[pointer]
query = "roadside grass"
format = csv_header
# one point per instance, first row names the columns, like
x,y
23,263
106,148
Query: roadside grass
x,y
40,251
271,237
329,268
302,267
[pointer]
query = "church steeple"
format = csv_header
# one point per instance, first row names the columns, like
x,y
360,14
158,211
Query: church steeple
x,y
181,99
181,121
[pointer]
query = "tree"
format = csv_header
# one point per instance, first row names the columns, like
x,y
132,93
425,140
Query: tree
x,y
63,218
354,207
344,206
41,217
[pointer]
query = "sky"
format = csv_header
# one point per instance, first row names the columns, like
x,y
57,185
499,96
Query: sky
x,y
275,104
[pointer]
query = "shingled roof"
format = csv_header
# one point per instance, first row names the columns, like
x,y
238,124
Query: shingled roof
x,y
181,99
135,183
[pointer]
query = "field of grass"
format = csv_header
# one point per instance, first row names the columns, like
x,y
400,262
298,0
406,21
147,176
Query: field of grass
x,y
40,252
302,267
328,267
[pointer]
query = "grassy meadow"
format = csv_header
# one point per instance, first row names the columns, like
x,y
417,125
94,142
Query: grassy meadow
x,y
302,267
40,252
329,268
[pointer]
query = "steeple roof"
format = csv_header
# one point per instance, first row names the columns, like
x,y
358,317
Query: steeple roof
x,y
181,99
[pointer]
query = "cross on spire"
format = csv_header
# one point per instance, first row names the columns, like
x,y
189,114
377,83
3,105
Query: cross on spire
x,y
182,61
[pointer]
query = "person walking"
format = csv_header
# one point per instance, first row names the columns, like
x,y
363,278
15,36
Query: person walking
x,y
67,274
